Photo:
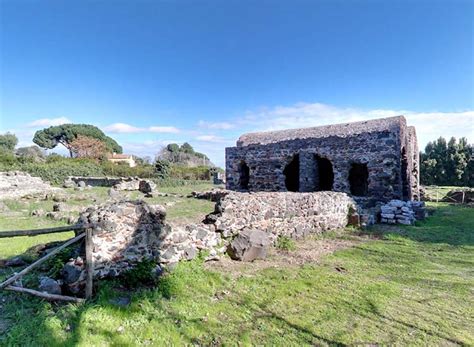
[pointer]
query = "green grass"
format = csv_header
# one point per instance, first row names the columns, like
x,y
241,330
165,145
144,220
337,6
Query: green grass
x,y
19,215
407,286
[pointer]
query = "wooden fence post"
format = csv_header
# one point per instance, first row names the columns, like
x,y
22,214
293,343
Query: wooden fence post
x,y
40,261
89,263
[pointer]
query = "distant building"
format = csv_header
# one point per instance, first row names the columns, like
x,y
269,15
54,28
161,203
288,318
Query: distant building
x,y
123,158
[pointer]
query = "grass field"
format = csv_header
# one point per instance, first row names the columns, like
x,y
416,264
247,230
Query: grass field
x,y
389,286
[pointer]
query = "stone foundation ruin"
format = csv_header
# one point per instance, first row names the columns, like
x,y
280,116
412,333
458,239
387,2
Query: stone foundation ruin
x,y
17,184
118,183
127,232
374,161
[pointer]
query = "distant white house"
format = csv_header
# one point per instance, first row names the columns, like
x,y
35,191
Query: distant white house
x,y
123,158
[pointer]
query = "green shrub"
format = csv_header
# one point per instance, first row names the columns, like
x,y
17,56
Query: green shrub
x,y
140,274
58,170
285,243
162,168
123,170
190,173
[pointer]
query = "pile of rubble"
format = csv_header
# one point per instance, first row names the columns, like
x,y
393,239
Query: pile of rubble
x,y
17,184
402,212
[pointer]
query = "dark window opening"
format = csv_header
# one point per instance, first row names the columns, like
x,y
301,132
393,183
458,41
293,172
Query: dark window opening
x,y
325,174
292,174
405,189
244,176
359,179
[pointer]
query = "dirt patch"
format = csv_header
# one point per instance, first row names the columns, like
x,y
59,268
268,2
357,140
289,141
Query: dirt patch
x,y
308,251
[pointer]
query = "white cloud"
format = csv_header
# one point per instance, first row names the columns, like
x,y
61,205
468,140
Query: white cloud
x,y
123,128
168,130
47,122
216,125
209,138
429,125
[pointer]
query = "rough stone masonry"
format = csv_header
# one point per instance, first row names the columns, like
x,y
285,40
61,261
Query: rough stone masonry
x,y
374,161
127,232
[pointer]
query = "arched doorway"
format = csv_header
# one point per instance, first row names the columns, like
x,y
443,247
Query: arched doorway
x,y
292,174
359,179
244,175
325,179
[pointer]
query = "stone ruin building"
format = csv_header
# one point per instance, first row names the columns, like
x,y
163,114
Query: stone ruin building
x,y
374,161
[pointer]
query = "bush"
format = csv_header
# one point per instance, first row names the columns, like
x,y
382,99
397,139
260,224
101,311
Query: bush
x,y
57,171
285,243
123,170
162,168
141,274
190,173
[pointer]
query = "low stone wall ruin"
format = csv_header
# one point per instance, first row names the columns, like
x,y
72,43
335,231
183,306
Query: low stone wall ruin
x,y
17,184
290,214
129,231
118,183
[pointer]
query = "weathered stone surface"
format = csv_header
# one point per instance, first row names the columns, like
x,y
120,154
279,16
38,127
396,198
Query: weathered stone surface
x,y
211,195
146,186
387,148
282,213
50,286
114,194
249,245
17,184
402,212
126,232
71,271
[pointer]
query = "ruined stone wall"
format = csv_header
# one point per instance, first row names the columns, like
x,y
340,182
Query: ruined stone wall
x,y
127,232
375,143
380,151
17,184
119,183
96,181
415,163
282,213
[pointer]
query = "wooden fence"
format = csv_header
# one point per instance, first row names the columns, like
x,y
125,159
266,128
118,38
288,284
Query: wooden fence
x,y
86,233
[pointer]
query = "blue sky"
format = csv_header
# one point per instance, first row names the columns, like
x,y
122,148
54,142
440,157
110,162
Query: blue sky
x,y
153,72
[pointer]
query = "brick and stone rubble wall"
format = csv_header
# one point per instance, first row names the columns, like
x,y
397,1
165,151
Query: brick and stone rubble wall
x,y
17,184
127,232
380,151
415,163
119,183
282,213
377,144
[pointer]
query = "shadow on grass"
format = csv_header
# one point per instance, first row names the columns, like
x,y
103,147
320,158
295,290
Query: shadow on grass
x,y
41,323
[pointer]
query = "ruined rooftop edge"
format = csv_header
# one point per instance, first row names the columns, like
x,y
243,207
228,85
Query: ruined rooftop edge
x,y
340,130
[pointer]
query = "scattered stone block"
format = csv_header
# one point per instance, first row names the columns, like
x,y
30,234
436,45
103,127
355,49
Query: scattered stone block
x,y
249,245
50,286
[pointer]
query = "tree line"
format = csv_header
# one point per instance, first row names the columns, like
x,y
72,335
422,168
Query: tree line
x,y
447,163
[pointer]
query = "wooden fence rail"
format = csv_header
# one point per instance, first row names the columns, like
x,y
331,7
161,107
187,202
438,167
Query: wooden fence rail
x,y
35,232
87,233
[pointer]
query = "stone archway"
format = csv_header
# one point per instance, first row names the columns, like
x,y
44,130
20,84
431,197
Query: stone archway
x,y
292,174
244,175
359,179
